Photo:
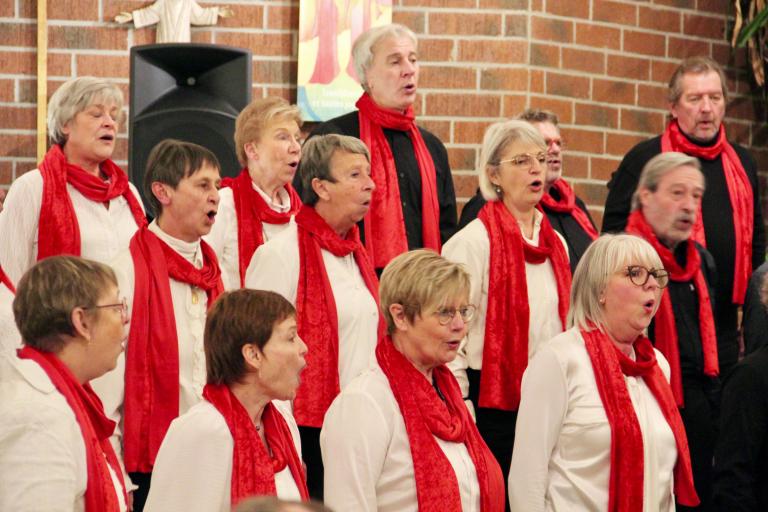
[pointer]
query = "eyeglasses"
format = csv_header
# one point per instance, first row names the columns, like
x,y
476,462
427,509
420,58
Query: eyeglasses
x,y
639,275
526,160
122,306
445,315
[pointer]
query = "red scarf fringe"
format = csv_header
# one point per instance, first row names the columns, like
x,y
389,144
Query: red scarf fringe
x,y
567,204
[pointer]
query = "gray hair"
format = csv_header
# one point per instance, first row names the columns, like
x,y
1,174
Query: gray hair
x,y
316,158
73,97
695,66
496,139
604,257
362,50
658,167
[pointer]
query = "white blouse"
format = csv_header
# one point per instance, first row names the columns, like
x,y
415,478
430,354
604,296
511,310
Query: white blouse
x,y
189,309
42,452
193,469
561,459
223,235
10,339
472,247
367,455
104,232
275,267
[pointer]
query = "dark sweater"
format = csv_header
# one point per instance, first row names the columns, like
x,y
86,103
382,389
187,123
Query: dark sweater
x,y
718,229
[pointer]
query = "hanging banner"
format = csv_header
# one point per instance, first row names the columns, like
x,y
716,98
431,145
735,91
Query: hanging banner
x,y
327,83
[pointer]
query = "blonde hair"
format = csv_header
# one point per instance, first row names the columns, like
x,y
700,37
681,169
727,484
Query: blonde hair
x,y
496,139
73,97
604,257
420,280
258,115
658,167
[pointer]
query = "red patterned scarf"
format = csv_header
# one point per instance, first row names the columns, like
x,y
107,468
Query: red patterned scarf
x,y
152,358
58,230
6,281
252,210
739,191
425,416
567,204
664,322
100,494
384,226
253,468
318,323
625,493
505,350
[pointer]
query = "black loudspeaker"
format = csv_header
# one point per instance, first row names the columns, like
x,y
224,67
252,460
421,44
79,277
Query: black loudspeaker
x,y
190,92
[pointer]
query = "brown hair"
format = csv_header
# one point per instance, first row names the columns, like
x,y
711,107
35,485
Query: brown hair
x,y
256,116
49,291
537,115
696,66
238,318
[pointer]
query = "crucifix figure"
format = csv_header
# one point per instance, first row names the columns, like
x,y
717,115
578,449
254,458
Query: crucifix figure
x,y
173,18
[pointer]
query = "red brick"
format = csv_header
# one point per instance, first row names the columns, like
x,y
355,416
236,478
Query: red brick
x,y
19,63
258,43
584,60
435,50
73,10
645,43
563,108
281,17
663,20
591,193
465,185
411,19
613,91
597,36
516,25
6,176
87,38
24,166
652,96
146,35
103,65
597,215
444,77
597,115
441,129
545,55
641,121
202,35
575,166
438,3
17,34
570,8
114,7
476,24
704,26
274,71
629,67
513,105
551,30
462,105
537,81
614,12
506,52
662,71
682,47
6,9
6,90
738,132
469,132
18,145
508,79
619,143
587,141
461,159
567,85
504,4
18,118
682,4
246,16
602,168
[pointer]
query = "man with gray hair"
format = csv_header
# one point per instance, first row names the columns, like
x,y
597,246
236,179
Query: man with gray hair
x,y
665,207
414,204
731,222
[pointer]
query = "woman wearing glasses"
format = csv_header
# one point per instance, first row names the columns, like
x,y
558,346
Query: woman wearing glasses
x,y
520,280
54,436
598,427
398,437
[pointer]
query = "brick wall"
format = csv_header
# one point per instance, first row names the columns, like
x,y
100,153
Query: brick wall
x,y
601,65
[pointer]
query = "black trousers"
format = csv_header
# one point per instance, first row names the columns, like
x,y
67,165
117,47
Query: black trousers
x,y
700,418
497,427
313,458
140,494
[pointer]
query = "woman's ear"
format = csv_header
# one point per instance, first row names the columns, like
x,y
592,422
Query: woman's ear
x,y
321,188
82,323
252,355
399,317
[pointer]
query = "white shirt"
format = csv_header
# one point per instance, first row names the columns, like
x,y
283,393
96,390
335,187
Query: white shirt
x,y
561,459
42,452
223,235
275,267
193,470
173,18
189,309
10,339
472,247
367,455
104,232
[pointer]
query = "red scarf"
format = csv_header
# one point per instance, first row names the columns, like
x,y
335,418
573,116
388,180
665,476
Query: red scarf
x,y
4,279
384,226
625,493
505,350
739,191
58,230
664,322
318,323
253,468
252,210
100,495
152,358
567,204
425,416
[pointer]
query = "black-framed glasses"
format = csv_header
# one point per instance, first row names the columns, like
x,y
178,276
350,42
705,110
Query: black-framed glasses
x,y
122,306
445,315
525,161
639,275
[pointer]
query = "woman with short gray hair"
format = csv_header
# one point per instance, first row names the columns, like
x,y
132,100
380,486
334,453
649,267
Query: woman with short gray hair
x,y
78,201
598,426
